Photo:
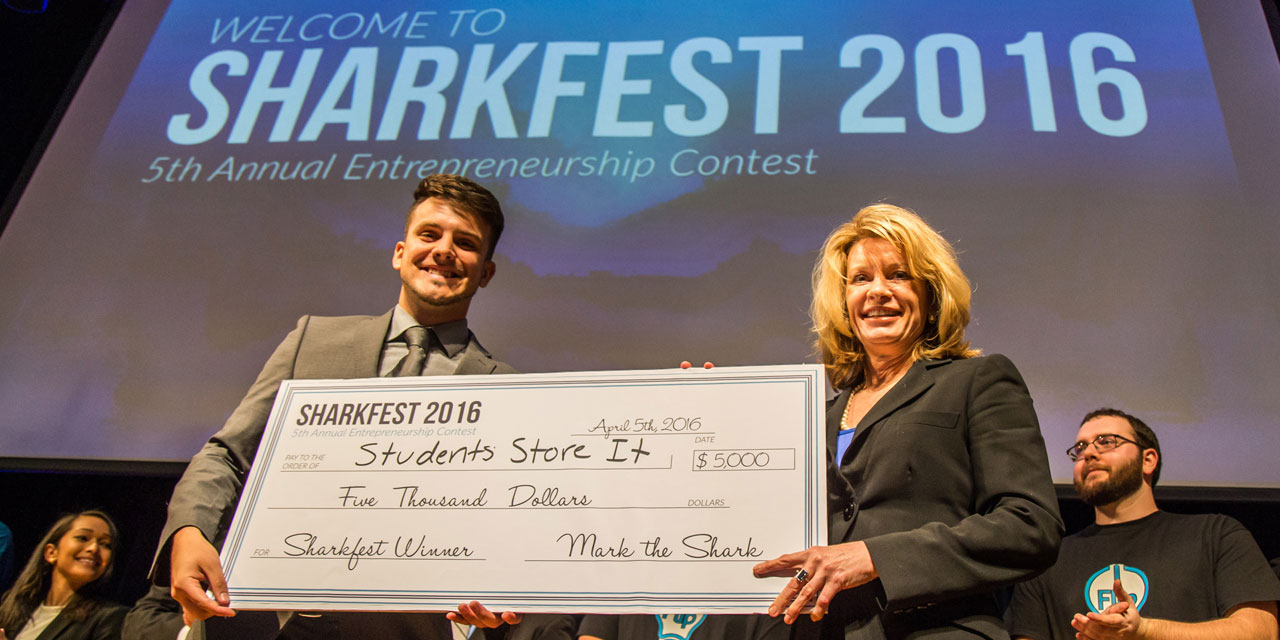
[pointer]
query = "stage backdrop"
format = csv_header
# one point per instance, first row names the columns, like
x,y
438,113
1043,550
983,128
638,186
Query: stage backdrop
x,y
668,170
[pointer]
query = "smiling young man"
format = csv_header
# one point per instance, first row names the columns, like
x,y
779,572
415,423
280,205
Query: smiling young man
x,y
446,254
451,231
1139,572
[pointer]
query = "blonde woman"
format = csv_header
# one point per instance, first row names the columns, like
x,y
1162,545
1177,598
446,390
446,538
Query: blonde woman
x,y
939,486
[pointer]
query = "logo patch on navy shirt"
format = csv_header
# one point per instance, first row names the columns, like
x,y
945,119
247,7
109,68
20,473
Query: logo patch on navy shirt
x,y
678,626
1098,588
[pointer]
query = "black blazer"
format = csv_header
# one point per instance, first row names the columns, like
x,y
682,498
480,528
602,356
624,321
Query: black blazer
x,y
947,481
103,624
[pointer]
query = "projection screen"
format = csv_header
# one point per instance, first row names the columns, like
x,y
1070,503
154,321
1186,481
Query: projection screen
x,y
668,171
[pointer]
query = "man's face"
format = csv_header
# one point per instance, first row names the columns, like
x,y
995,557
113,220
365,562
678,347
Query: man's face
x,y
442,261
1104,478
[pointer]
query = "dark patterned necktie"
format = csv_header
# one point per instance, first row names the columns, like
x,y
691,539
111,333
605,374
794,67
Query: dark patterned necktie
x,y
411,363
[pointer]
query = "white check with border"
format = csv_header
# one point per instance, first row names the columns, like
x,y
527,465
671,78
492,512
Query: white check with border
x,y
601,492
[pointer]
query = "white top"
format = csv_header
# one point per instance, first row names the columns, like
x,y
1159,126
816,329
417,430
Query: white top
x,y
40,618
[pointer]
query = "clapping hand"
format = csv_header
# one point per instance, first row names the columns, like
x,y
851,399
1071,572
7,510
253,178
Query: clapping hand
x,y
1119,621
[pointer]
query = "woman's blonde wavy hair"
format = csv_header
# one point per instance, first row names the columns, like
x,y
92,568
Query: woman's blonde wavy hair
x,y
929,256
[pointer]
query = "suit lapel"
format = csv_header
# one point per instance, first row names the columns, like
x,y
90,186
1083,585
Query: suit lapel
x,y
475,361
917,381
345,348
56,627
840,492
833,420
367,345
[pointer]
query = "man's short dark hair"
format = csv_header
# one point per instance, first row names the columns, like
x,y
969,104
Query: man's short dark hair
x,y
464,194
1146,437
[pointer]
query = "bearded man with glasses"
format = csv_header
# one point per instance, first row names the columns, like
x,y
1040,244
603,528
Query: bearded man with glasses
x,y
1139,572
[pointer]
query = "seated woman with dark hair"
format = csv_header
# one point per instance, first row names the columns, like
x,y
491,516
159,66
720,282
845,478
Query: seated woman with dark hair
x,y
53,597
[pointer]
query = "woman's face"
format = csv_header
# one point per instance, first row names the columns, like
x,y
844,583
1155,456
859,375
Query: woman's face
x,y
83,553
887,307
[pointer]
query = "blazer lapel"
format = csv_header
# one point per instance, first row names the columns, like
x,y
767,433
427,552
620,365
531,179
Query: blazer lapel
x,y
367,344
840,494
55,628
917,381
833,421
475,361
341,348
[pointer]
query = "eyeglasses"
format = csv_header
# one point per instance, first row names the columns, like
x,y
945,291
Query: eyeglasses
x,y
1102,444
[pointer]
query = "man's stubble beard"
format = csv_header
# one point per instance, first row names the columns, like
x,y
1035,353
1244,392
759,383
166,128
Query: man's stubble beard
x,y
437,301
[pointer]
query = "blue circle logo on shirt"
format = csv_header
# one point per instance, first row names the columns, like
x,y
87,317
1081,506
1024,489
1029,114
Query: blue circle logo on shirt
x,y
1098,588
678,626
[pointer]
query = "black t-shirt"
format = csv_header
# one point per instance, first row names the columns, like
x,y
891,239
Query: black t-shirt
x,y
684,627
1188,568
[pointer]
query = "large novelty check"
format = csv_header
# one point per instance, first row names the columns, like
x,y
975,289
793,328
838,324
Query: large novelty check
x,y
624,491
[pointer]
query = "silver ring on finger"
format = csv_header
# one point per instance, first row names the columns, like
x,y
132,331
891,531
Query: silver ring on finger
x,y
802,576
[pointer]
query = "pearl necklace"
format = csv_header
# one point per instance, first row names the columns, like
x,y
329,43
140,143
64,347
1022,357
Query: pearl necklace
x,y
844,417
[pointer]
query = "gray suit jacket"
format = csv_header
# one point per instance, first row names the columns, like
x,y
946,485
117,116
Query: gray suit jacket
x,y
318,348
947,481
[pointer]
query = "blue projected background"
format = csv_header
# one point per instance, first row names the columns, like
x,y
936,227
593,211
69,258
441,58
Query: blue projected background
x,y
668,170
